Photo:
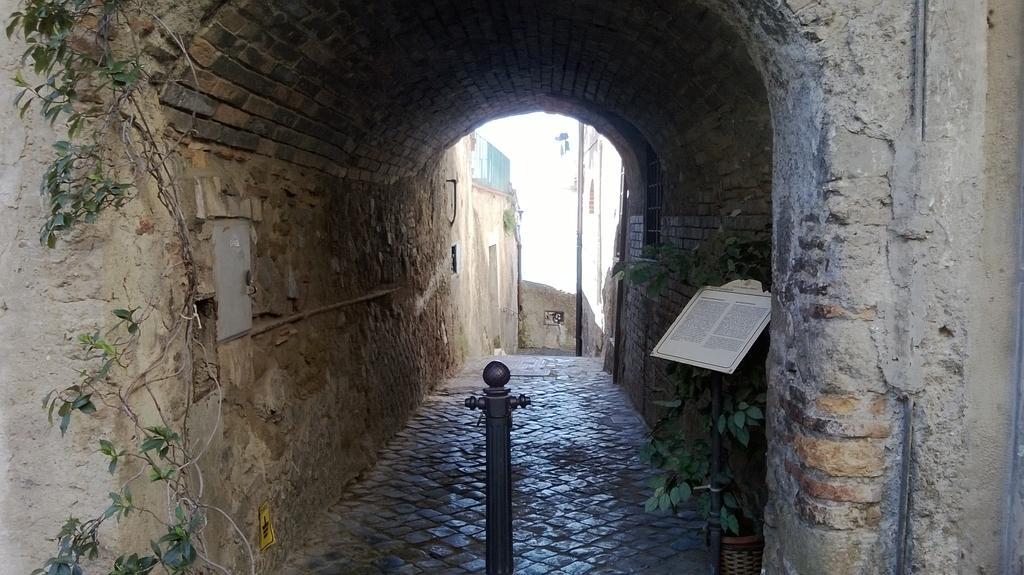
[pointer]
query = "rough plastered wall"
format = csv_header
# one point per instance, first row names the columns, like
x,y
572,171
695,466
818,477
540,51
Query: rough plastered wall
x,y
484,293
880,213
47,298
988,371
307,405
45,295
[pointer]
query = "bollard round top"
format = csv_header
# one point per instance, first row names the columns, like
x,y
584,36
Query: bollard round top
x,y
496,374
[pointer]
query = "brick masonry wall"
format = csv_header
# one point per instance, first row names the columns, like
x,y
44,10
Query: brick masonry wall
x,y
719,177
308,405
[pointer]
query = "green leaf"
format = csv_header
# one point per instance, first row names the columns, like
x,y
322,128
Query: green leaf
x,y
732,524
739,418
730,501
675,495
151,444
685,491
754,412
742,435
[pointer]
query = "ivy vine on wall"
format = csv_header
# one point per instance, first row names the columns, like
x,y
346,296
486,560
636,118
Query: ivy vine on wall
x,y
85,71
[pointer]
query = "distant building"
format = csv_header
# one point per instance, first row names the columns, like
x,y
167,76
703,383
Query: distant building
x,y
485,249
602,186
602,201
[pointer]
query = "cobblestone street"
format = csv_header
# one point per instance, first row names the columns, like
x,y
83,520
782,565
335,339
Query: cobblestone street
x,y
579,488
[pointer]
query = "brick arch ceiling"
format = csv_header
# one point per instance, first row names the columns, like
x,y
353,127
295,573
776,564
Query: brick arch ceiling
x,y
383,86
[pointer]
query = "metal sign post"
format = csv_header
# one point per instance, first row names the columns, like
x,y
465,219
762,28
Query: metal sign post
x,y
715,484
497,405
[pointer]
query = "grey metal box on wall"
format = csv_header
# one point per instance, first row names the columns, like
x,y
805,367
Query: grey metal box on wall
x,y
232,271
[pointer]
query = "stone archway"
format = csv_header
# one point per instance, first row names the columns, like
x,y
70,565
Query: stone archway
x,y
377,92
324,125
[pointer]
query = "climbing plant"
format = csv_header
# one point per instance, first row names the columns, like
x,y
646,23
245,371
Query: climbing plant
x,y
508,221
84,71
679,443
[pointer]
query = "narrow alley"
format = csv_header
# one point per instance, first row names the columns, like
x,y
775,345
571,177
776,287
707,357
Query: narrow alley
x,y
579,487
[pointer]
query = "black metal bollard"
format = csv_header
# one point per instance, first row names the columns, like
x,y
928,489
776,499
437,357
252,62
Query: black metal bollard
x,y
497,405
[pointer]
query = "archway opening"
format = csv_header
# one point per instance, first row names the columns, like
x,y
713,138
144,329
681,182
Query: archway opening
x,y
331,131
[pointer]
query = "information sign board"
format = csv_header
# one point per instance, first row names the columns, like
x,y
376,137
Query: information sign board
x,y
717,327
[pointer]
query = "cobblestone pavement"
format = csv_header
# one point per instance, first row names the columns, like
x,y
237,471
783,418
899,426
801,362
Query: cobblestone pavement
x,y
579,488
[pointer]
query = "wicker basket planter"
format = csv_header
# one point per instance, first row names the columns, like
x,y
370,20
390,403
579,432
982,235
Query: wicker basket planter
x,y
742,555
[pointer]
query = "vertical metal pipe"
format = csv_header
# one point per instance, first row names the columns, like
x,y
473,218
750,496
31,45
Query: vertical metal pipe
x,y
579,246
714,514
1013,543
620,285
906,457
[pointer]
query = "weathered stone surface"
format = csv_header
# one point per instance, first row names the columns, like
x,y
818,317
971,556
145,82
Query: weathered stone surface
x,y
534,332
829,488
185,99
848,458
838,515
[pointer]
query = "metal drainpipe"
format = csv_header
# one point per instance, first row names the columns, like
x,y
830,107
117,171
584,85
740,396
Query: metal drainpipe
x,y
906,462
579,247
1013,524
620,286
903,527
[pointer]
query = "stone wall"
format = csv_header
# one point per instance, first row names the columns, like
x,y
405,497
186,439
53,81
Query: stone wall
x,y
717,177
534,332
45,297
338,382
484,292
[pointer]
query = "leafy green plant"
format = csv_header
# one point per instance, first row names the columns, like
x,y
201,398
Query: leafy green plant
x,y
679,443
83,83
508,220
83,68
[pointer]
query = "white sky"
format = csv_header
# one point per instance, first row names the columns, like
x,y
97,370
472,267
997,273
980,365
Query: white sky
x,y
544,180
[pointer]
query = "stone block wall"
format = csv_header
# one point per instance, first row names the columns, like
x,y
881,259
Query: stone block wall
x,y
534,333
307,404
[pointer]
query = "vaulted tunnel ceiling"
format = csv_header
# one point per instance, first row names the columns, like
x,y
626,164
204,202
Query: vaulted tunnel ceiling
x,y
383,87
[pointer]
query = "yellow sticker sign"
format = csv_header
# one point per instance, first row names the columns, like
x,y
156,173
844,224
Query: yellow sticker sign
x,y
267,535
